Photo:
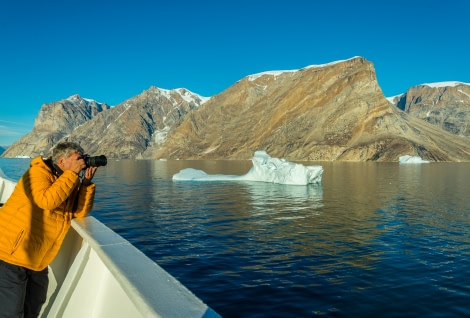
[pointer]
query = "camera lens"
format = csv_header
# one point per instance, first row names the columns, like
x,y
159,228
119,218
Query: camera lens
x,y
96,161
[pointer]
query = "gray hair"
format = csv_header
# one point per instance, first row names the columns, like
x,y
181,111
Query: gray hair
x,y
65,149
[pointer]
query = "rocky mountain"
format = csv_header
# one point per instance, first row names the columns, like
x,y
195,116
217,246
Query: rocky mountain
x,y
2,150
138,125
335,111
328,112
127,130
445,104
55,120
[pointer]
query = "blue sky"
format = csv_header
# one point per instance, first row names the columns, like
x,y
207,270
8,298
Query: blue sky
x,y
110,51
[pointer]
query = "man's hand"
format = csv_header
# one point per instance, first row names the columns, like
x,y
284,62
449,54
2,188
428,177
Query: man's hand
x,y
89,173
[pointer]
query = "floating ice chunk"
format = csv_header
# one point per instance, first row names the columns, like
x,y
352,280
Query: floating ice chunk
x,y
280,171
190,174
411,159
265,169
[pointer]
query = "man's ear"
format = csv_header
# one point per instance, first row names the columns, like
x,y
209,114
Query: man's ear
x,y
60,162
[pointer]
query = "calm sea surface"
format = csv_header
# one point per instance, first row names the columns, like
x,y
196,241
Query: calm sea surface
x,y
374,239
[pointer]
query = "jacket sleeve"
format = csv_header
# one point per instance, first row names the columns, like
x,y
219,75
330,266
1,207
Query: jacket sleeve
x,y
86,196
47,191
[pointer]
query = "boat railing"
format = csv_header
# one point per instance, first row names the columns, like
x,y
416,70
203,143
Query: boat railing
x,y
97,273
6,187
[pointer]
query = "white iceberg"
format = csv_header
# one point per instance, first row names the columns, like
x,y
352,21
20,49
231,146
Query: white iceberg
x,y
411,159
265,169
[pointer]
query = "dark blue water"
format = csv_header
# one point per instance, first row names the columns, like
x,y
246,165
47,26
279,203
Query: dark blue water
x,y
374,239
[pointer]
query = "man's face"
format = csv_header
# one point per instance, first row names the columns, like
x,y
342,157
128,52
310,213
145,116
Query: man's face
x,y
68,163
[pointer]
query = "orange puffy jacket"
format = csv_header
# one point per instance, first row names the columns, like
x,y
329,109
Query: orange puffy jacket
x,y
37,216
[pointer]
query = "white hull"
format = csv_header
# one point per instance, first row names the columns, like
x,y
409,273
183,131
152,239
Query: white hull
x,y
97,273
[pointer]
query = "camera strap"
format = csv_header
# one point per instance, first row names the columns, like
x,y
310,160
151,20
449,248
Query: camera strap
x,y
55,169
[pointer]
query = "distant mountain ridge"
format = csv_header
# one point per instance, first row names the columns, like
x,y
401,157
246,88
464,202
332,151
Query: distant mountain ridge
x,y
334,111
54,121
123,131
444,104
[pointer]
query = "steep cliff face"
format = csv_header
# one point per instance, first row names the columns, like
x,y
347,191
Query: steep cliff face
x,y
137,125
54,121
329,112
445,105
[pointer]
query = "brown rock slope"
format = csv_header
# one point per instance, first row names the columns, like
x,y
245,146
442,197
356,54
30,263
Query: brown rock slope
x,y
55,120
331,112
127,130
137,125
445,104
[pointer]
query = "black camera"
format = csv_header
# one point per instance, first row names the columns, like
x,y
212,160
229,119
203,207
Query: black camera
x,y
96,161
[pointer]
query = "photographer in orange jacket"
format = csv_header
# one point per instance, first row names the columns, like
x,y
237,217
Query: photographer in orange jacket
x,y
34,222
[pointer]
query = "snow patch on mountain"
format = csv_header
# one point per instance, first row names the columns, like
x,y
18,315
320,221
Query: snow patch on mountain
x,y
185,94
75,99
434,85
445,84
277,73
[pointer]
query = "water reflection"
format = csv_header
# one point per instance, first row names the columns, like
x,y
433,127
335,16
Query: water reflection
x,y
287,197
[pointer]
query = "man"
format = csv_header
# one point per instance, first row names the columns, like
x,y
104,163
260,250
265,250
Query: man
x,y
34,222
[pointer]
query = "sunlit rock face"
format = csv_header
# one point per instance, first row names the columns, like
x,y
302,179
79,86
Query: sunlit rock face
x,y
54,121
335,111
127,130
135,127
444,104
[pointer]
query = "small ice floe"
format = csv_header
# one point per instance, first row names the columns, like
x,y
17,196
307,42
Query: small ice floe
x,y
411,159
265,169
